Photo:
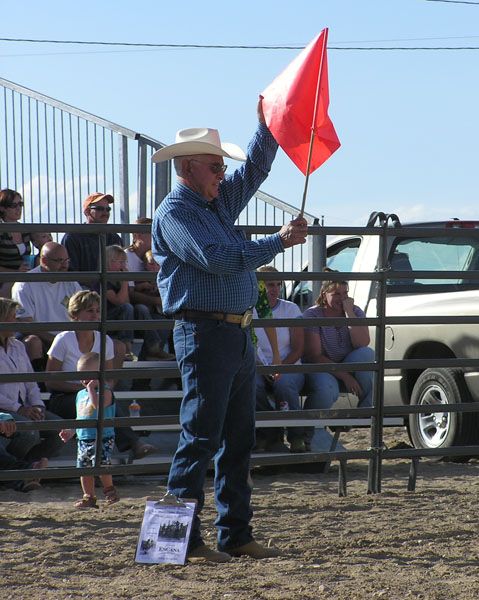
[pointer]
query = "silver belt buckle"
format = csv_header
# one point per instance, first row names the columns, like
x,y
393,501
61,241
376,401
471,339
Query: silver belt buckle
x,y
247,318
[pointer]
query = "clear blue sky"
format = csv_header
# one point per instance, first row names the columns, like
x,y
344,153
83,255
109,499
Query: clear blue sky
x,y
408,121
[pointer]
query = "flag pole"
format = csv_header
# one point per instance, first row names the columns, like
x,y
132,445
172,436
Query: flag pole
x,y
311,141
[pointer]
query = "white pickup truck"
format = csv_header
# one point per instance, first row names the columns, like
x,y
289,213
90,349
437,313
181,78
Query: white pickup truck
x,y
420,296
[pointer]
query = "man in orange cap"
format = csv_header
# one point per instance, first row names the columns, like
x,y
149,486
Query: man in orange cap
x,y
83,248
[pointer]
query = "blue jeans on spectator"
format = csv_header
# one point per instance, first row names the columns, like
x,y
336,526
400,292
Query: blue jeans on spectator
x,y
121,312
46,443
286,389
324,388
154,338
217,416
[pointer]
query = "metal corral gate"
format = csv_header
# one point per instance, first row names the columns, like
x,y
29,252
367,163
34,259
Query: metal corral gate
x,y
375,453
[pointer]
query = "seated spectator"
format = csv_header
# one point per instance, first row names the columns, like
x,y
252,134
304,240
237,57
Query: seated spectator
x,y
63,355
84,248
150,263
140,243
272,439
145,293
44,301
7,429
39,238
150,288
284,389
337,344
140,258
263,311
87,401
13,442
119,307
22,399
14,246
47,301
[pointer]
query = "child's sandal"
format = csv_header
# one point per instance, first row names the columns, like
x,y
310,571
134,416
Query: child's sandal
x,y
87,502
111,495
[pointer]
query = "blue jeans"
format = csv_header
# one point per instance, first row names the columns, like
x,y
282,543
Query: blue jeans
x,y
217,417
286,389
139,312
324,388
121,312
153,337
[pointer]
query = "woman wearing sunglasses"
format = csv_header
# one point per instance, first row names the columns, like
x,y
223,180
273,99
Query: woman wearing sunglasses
x,y
14,246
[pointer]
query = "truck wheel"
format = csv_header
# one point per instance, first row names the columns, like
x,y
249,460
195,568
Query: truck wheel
x,y
441,429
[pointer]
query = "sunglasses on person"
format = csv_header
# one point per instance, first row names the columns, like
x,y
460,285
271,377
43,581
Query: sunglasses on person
x,y
100,208
58,260
215,168
14,204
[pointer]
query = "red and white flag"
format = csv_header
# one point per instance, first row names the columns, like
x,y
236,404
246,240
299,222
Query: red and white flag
x,y
296,103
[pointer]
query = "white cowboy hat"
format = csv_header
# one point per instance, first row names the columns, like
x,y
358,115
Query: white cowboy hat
x,y
198,140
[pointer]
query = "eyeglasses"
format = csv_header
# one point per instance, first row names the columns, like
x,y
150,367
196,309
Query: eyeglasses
x,y
215,168
14,205
100,208
58,260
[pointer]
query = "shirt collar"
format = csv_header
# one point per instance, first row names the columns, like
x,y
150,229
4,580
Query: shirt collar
x,y
186,192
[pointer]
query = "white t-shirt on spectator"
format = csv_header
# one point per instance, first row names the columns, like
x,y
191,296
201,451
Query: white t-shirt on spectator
x,y
65,349
135,263
44,301
283,310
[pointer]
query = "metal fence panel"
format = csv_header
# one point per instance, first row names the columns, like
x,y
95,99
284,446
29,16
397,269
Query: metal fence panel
x,y
55,154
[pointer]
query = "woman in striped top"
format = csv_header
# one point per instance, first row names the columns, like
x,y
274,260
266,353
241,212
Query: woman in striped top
x,y
13,245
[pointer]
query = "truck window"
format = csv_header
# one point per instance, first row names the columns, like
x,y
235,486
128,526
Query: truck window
x,y
341,255
434,254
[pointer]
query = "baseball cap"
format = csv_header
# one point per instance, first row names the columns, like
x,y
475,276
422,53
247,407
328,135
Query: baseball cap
x,y
96,197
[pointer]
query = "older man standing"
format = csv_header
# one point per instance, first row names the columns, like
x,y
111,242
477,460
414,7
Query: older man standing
x,y
208,285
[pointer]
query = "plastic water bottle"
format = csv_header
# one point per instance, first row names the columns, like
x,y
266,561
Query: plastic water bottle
x,y
29,260
134,409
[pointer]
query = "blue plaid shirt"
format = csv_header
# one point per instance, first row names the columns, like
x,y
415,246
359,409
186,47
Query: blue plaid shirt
x,y
206,264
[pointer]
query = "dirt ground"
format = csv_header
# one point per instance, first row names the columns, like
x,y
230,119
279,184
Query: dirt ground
x,y
394,545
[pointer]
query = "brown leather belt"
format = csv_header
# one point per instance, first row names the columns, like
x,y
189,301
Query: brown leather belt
x,y
192,315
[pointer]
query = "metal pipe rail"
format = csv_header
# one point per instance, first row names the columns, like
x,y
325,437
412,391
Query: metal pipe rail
x,y
376,453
